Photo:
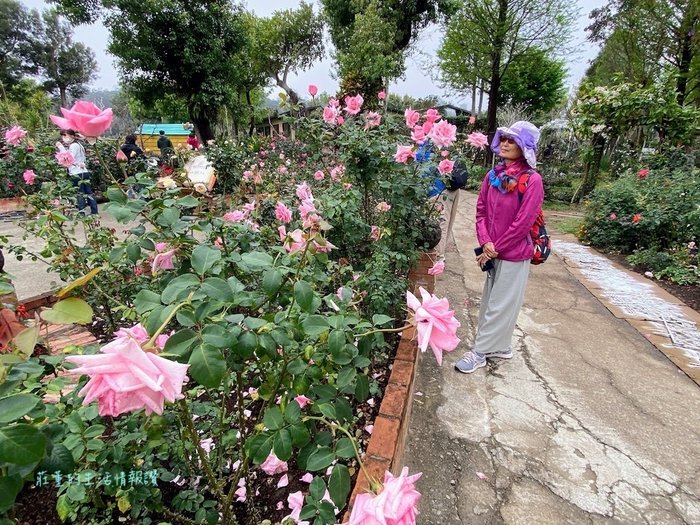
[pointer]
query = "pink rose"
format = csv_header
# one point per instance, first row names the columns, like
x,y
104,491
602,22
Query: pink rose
x,y
294,241
472,120
437,268
432,115
337,172
164,259
353,105
436,324
161,340
14,135
340,120
373,119
330,114
383,206
282,213
302,400
306,207
412,117
403,153
272,465
443,134
319,175
427,126
478,140
304,192
137,332
65,159
418,135
642,173
312,90
396,504
381,95
235,216
121,156
446,166
612,216
282,169
29,177
85,118
376,233
124,378
333,102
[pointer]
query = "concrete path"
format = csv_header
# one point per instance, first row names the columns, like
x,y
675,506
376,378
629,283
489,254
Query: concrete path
x,y
588,423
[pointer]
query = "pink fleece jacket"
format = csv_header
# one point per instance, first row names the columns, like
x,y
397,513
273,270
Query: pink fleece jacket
x,y
505,219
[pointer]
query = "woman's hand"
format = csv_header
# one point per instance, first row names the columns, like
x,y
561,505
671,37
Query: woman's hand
x,y
482,259
490,250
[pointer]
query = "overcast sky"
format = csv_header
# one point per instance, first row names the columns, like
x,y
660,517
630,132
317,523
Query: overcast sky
x,y
418,80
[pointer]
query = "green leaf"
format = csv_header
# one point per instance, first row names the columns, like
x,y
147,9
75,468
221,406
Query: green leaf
x,y
343,409
346,376
207,366
218,289
362,388
176,288
188,202
133,252
344,448
273,418
180,342
169,217
257,260
63,507
60,459
292,412
114,194
300,434
14,407
336,341
327,410
272,281
246,345
317,489
203,258
283,444
320,459
69,311
381,319
9,488
304,295
145,301
315,325
259,447
25,341
21,444
218,336
339,485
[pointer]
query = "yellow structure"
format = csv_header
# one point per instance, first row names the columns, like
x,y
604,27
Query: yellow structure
x,y
147,136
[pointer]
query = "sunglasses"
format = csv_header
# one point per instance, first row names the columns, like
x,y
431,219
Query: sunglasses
x,y
508,140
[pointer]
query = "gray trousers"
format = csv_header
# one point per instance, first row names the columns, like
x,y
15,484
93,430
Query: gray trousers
x,y
501,300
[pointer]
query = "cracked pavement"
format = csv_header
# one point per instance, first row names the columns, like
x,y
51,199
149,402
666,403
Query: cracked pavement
x,y
588,423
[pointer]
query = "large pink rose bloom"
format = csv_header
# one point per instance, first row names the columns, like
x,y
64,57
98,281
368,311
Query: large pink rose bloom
x,y
396,504
443,134
124,378
436,324
404,153
14,135
85,118
65,159
412,117
282,213
353,105
478,140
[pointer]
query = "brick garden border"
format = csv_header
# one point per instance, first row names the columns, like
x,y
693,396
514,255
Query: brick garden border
x,y
386,445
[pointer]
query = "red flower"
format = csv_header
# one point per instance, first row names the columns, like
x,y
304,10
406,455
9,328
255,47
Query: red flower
x,y
612,216
642,173
636,218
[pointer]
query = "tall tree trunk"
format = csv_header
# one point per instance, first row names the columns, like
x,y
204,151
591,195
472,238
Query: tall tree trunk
x,y
202,124
62,96
474,98
590,176
687,32
252,112
495,83
293,97
481,97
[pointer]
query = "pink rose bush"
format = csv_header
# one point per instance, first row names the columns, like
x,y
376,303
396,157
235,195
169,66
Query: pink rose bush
x,y
436,325
85,118
396,504
125,378
14,135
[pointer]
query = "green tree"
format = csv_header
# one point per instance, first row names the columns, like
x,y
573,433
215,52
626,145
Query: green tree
x,y
490,35
19,46
535,81
371,36
646,38
66,66
187,49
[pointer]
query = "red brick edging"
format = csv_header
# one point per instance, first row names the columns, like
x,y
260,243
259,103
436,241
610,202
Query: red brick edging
x,y
386,446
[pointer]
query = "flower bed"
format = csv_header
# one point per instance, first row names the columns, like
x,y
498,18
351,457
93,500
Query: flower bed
x,y
245,340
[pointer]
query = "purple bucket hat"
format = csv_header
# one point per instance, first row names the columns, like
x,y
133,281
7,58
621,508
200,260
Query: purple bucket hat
x,y
525,135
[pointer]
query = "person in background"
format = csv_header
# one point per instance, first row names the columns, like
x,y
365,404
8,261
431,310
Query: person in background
x,y
130,149
193,141
164,145
509,201
78,172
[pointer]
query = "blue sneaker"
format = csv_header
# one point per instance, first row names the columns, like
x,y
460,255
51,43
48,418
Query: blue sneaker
x,y
470,362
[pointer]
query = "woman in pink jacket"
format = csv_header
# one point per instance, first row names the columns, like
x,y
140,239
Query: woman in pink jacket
x,y
509,201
